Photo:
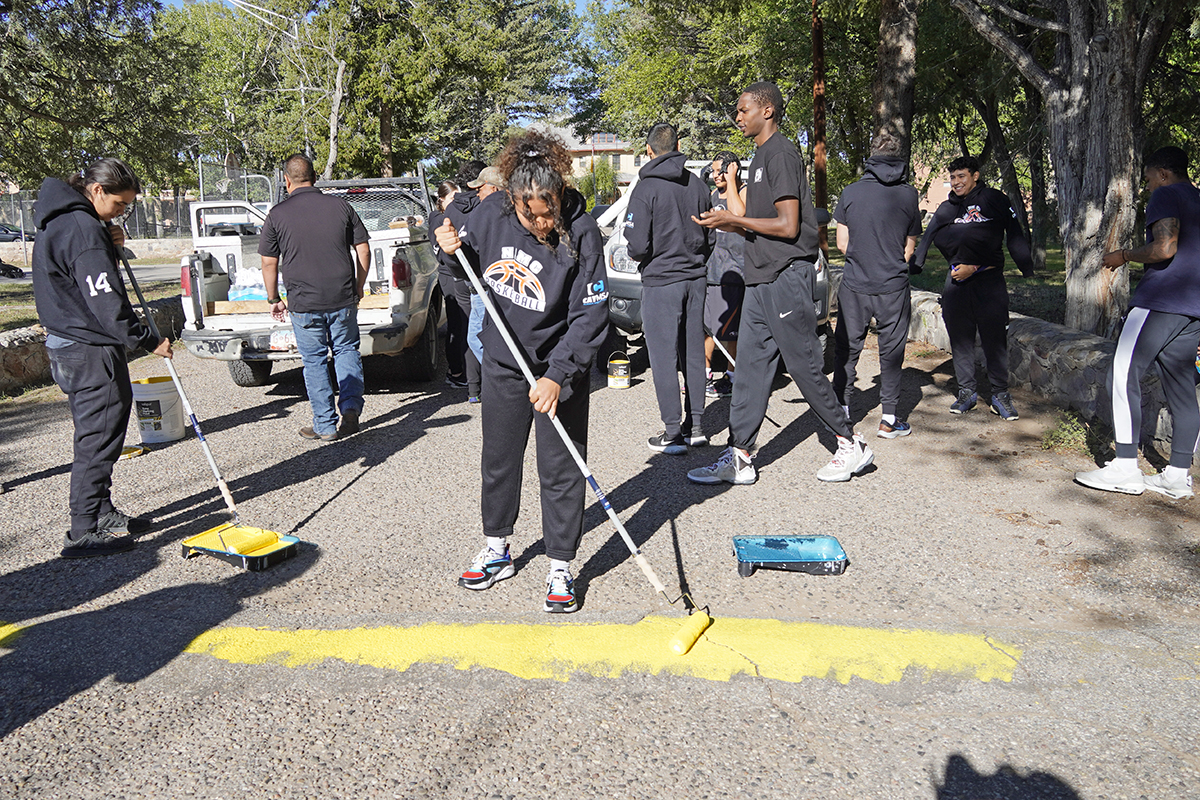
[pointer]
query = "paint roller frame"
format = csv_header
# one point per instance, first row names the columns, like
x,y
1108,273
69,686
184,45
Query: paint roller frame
x,y
222,486
698,618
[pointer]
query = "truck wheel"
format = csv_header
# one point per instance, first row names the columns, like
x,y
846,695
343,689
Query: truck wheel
x,y
422,358
825,336
250,373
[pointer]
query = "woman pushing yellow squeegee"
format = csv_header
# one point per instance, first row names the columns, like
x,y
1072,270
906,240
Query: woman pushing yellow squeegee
x,y
255,548
699,619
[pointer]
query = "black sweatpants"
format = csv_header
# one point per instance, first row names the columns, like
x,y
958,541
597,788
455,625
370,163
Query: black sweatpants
x,y
1170,340
456,325
892,313
507,416
669,313
778,319
96,382
978,305
462,295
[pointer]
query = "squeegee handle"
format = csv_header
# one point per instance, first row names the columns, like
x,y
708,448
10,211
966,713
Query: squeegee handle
x,y
187,406
558,426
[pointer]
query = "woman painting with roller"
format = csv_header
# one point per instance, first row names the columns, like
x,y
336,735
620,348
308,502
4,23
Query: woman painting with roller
x,y
540,256
81,302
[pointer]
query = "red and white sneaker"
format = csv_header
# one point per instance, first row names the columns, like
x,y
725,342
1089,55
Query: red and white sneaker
x,y
488,568
560,593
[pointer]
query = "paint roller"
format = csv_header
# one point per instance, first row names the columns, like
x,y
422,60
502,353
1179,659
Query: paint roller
x,y
698,619
254,538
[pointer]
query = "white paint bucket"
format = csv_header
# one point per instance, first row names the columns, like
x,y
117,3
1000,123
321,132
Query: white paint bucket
x,y
159,412
618,371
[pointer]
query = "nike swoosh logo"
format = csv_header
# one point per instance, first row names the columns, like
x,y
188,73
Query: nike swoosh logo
x,y
785,313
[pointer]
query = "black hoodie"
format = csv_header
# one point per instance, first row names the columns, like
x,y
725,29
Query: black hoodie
x,y
971,230
554,299
659,230
79,292
462,205
881,211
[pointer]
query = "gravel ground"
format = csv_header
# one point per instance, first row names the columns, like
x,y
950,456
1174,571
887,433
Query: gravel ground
x,y
965,526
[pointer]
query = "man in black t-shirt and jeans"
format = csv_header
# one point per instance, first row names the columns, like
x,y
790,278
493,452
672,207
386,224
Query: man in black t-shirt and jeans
x,y
878,222
778,314
309,236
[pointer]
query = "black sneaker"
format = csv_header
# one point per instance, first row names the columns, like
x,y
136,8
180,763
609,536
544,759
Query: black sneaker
x,y
672,447
457,381
96,543
965,402
1002,404
119,522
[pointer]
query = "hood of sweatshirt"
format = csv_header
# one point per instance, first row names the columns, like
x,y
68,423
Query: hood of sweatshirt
x,y
669,167
56,198
888,170
969,197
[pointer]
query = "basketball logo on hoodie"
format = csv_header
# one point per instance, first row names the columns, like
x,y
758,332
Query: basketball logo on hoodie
x,y
516,283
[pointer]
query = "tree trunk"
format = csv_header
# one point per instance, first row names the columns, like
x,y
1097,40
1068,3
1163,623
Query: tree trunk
x,y
896,71
1093,91
1039,223
385,140
335,112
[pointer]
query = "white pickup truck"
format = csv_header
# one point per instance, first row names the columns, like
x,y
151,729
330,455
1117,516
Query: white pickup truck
x,y
225,303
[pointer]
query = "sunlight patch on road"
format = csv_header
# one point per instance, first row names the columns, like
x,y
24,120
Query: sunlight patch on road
x,y
783,651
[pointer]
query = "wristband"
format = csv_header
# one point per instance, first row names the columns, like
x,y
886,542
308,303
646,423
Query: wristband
x,y
1123,258
276,301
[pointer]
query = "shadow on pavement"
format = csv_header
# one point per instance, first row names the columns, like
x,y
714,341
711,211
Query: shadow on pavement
x,y
52,661
962,782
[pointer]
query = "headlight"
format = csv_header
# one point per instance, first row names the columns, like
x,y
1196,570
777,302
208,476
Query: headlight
x,y
620,261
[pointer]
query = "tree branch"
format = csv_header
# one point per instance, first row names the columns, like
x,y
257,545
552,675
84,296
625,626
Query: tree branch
x,y
986,27
1033,22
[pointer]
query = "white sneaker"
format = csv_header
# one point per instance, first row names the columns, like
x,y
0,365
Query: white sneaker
x,y
731,467
1113,478
852,457
1179,490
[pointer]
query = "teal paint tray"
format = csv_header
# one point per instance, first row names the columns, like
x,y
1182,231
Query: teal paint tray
x,y
816,555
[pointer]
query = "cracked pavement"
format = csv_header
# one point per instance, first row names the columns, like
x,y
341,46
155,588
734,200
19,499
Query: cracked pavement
x,y
967,528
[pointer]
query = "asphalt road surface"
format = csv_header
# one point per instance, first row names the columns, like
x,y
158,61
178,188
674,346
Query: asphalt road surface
x,y
1000,633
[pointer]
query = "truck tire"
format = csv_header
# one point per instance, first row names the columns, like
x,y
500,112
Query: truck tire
x,y
825,336
421,360
250,373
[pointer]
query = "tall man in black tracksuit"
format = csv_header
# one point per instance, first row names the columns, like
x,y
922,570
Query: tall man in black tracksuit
x,y
778,316
1163,328
879,220
969,229
672,250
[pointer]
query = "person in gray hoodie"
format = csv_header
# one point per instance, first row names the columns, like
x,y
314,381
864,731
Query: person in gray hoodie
x,y
878,224
672,250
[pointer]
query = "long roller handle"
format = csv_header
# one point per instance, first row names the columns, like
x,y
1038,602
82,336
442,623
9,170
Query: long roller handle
x,y
640,559
187,407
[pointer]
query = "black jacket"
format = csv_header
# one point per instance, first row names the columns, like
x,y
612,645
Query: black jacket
x,y
971,230
79,292
881,212
554,299
659,230
462,205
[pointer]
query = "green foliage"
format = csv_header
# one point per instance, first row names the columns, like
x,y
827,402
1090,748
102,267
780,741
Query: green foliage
x,y
1072,433
83,80
599,184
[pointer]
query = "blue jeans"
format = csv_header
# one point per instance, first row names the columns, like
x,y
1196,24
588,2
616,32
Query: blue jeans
x,y
317,334
475,325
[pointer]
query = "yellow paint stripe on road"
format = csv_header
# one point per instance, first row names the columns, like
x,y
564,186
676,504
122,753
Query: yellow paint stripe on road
x,y
784,651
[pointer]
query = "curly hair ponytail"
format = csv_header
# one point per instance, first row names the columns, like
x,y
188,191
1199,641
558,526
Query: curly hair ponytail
x,y
537,165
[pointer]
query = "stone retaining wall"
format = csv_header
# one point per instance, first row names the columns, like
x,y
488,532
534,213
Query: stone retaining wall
x,y
1067,367
23,360
166,249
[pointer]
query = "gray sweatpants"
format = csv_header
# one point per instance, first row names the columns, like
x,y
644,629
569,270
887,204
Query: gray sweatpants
x,y
1170,340
673,321
778,319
